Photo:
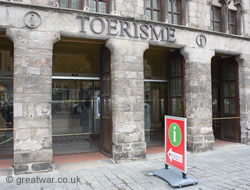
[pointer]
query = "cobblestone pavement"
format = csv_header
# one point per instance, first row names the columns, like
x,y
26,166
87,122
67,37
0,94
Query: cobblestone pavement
x,y
223,168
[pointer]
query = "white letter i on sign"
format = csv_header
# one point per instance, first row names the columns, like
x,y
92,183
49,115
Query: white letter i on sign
x,y
174,135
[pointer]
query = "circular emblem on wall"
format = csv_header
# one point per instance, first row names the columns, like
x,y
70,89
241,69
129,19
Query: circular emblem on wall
x,y
32,19
201,40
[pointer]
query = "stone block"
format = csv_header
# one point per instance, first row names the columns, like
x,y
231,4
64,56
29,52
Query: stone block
x,y
32,122
28,144
33,71
22,157
21,168
41,167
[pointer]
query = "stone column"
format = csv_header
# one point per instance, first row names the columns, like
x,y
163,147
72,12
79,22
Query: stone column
x,y
127,98
32,99
244,95
198,96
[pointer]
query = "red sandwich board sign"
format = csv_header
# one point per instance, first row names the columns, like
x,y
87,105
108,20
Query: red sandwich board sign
x,y
175,142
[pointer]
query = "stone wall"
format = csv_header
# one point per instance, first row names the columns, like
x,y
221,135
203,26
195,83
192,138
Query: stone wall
x,y
32,80
198,98
199,13
244,91
32,99
127,98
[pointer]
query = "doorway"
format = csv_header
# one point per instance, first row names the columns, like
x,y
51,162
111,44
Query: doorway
x,y
225,98
163,91
6,98
79,124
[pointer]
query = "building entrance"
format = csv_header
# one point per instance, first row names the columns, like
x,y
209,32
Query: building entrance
x,y
6,98
163,91
225,94
79,74
76,115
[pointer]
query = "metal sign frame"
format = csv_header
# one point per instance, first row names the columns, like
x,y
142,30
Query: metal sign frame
x,y
185,141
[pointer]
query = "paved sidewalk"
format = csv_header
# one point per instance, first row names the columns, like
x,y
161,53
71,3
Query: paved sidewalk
x,y
223,168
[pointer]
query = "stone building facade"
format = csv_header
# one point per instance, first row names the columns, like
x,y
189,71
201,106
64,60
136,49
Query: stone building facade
x,y
134,41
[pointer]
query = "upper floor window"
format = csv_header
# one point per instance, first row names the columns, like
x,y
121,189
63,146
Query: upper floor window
x,y
100,6
232,22
73,4
174,11
153,10
216,19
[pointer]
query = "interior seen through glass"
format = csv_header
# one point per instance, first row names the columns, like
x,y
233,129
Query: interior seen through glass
x,y
6,99
155,95
76,102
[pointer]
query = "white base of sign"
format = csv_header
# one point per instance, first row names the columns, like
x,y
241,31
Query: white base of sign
x,y
174,178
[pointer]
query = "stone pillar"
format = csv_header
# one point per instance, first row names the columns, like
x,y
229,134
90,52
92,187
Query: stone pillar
x,y
198,96
244,95
32,99
127,98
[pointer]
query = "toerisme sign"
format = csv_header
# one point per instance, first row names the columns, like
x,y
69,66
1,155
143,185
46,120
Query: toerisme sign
x,y
113,27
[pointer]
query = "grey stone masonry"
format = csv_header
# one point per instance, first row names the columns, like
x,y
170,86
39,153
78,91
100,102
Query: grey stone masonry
x,y
244,91
127,98
32,99
198,98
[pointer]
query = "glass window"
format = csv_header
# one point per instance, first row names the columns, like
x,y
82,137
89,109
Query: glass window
x,y
100,6
73,4
85,57
229,88
176,86
174,11
232,22
216,18
153,10
6,98
155,66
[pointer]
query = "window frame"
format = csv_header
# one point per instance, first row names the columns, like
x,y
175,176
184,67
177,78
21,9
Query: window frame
x,y
172,13
213,21
81,4
1,58
151,9
235,23
97,5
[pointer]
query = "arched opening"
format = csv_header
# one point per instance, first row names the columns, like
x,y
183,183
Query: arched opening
x,y
81,114
225,98
163,91
6,97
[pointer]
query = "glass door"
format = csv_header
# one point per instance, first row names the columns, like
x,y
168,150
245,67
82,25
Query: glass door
x,y
106,112
155,107
76,116
6,99
225,93
230,101
76,109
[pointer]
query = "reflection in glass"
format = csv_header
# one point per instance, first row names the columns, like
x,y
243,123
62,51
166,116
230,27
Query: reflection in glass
x,y
102,7
75,4
92,5
148,13
155,107
79,58
76,117
155,15
226,105
64,3
6,99
155,65
155,4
